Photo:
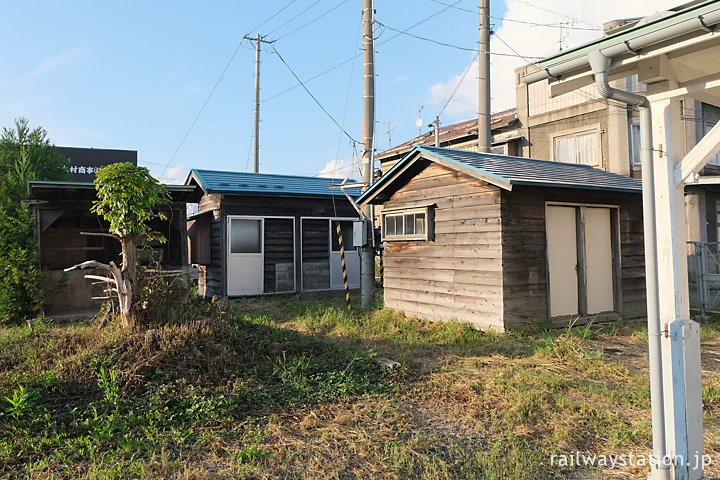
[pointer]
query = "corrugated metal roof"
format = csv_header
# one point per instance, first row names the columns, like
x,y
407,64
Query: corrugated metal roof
x,y
214,181
505,171
456,131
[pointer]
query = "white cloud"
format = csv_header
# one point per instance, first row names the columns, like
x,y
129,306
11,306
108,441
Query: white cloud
x,y
339,168
51,63
174,175
536,41
401,79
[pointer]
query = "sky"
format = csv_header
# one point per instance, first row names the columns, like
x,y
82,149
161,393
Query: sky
x,y
174,80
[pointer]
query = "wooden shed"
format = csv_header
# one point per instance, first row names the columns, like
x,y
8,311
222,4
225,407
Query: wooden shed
x,y
505,242
62,211
259,233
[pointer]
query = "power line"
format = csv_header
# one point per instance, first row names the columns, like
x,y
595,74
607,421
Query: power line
x,y
207,100
553,25
564,15
273,16
293,18
528,59
356,55
458,85
314,20
311,95
450,45
347,97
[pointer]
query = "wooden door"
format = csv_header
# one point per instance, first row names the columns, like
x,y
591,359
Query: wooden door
x,y
562,260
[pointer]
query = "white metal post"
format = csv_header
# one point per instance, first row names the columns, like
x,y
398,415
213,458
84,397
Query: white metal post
x,y
680,338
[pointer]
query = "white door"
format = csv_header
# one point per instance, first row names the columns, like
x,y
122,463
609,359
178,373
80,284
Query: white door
x,y
352,259
245,256
562,260
598,260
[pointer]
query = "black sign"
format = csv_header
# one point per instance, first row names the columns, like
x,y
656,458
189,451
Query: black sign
x,y
85,162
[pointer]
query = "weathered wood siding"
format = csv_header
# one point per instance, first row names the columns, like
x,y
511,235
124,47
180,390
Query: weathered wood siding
x,y
315,254
524,262
458,275
213,276
279,273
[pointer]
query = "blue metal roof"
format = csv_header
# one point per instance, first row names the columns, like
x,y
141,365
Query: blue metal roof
x,y
505,171
214,181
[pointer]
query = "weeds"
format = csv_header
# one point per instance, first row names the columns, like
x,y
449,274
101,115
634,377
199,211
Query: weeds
x,y
294,390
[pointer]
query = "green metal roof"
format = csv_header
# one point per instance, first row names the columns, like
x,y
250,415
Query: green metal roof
x,y
214,181
506,171
684,12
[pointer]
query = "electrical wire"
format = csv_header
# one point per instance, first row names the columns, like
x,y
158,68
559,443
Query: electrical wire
x,y
504,19
450,45
528,59
311,95
313,20
458,85
347,97
564,15
273,16
207,100
357,55
293,18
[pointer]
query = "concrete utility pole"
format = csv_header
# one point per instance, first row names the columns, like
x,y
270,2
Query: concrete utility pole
x,y
437,131
484,135
258,40
367,268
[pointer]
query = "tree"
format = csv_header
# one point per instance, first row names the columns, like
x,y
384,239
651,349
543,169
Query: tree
x,y
25,154
127,197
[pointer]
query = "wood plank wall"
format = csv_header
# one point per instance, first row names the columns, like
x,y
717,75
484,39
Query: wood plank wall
x,y
458,275
212,277
279,243
524,261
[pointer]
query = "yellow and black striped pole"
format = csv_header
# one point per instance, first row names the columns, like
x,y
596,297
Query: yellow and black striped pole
x,y
382,270
344,268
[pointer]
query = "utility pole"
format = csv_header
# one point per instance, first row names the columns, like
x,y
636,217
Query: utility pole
x,y
437,130
367,267
258,40
484,135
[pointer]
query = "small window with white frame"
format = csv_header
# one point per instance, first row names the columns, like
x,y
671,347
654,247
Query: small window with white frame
x,y
635,143
580,147
407,224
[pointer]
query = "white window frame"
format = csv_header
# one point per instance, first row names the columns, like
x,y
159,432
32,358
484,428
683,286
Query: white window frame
x,y
262,245
595,129
635,158
330,248
403,212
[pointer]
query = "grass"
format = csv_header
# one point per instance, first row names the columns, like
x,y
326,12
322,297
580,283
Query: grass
x,y
293,389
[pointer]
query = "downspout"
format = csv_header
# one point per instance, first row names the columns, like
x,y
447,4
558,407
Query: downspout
x,y
600,65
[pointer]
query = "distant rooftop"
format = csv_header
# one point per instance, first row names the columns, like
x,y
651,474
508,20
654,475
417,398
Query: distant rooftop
x,y
214,181
452,132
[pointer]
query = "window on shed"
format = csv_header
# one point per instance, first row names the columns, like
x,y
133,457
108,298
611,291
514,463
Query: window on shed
x,y
245,236
406,224
578,148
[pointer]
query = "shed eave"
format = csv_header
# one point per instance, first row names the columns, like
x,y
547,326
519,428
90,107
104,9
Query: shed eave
x,y
578,186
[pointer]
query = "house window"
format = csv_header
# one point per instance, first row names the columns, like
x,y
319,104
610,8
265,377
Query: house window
x,y
581,147
635,143
409,224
